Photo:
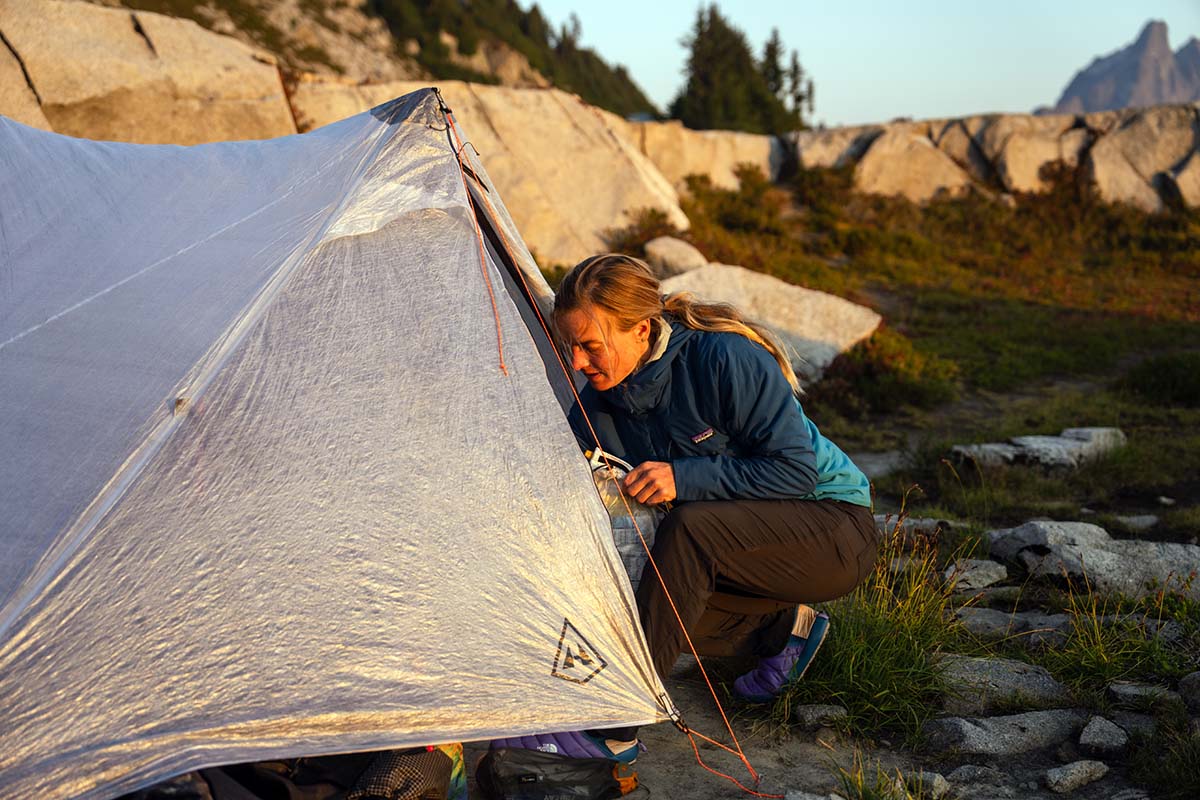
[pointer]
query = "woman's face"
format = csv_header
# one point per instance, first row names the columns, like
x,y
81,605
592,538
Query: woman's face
x,y
604,354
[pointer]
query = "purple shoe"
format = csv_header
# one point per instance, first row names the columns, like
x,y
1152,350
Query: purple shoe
x,y
763,683
572,744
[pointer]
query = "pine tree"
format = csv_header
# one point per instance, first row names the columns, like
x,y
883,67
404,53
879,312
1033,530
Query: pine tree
x,y
772,70
799,91
726,86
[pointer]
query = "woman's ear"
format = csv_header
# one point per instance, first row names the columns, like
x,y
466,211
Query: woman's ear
x,y
642,330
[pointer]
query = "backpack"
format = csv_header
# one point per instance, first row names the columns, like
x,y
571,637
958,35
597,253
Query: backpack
x,y
518,774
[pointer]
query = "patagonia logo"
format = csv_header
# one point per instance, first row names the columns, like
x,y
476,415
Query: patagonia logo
x,y
702,435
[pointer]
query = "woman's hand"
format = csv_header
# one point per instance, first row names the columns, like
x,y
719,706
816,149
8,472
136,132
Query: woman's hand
x,y
651,482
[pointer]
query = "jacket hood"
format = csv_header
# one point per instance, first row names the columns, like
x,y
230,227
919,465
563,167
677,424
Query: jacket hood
x,y
645,390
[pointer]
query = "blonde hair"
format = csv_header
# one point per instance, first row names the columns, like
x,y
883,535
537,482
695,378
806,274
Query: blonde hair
x,y
625,287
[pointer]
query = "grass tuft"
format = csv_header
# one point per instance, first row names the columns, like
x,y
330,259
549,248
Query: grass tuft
x,y
1169,761
863,782
879,658
1113,639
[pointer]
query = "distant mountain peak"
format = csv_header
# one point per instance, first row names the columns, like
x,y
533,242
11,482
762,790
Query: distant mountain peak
x,y
1144,73
1153,35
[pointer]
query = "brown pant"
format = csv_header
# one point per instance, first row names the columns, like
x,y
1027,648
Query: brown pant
x,y
737,569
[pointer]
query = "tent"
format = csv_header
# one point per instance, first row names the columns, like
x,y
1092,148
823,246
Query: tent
x,y
285,465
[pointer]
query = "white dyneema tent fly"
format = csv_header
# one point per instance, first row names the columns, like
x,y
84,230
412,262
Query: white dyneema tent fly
x,y
283,467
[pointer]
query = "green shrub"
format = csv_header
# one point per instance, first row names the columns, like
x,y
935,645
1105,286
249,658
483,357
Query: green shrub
x,y
884,373
645,224
1166,380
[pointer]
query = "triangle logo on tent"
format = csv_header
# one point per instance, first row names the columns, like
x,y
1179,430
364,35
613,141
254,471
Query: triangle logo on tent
x,y
576,660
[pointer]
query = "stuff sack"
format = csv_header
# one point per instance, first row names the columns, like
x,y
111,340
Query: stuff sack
x,y
608,471
518,774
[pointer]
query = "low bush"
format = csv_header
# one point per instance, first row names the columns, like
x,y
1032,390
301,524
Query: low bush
x,y
644,224
1165,380
884,373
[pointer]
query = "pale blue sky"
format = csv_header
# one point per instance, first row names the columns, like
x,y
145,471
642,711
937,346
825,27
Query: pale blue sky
x,y
875,60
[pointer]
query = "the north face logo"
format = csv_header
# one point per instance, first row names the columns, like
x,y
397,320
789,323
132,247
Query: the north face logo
x,y
575,660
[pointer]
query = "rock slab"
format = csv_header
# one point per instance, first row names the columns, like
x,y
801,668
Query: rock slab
x,y
1072,447
1006,735
113,74
980,685
817,325
1051,550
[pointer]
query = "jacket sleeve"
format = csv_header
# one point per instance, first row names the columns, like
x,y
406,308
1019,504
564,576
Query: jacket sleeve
x,y
774,458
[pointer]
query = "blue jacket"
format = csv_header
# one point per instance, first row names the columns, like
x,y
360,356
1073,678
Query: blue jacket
x,y
717,407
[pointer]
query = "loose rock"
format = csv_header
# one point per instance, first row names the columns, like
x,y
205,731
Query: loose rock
x,y
1135,724
927,784
1068,450
900,163
815,716
669,256
972,573
975,773
877,465
1103,738
113,74
1139,523
1072,776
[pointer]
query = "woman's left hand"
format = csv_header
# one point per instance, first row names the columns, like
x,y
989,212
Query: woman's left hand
x,y
651,482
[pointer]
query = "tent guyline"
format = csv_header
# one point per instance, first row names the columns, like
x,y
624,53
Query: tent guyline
x,y
672,711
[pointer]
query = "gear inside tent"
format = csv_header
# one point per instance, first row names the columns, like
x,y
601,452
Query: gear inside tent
x,y
284,468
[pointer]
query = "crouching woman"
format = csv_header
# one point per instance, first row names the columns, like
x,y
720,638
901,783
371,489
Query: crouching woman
x,y
768,515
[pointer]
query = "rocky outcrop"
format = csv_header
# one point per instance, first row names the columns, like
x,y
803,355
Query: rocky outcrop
x,y
1145,73
564,171
835,147
1140,157
17,98
678,152
104,73
1136,162
815,324
909,165
497,59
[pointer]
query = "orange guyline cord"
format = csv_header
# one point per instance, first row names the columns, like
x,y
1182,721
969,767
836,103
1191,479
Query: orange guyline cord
x,y
691,734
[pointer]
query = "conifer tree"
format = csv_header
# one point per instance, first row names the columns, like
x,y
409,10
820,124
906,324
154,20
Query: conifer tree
x,y
726,86
772,70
